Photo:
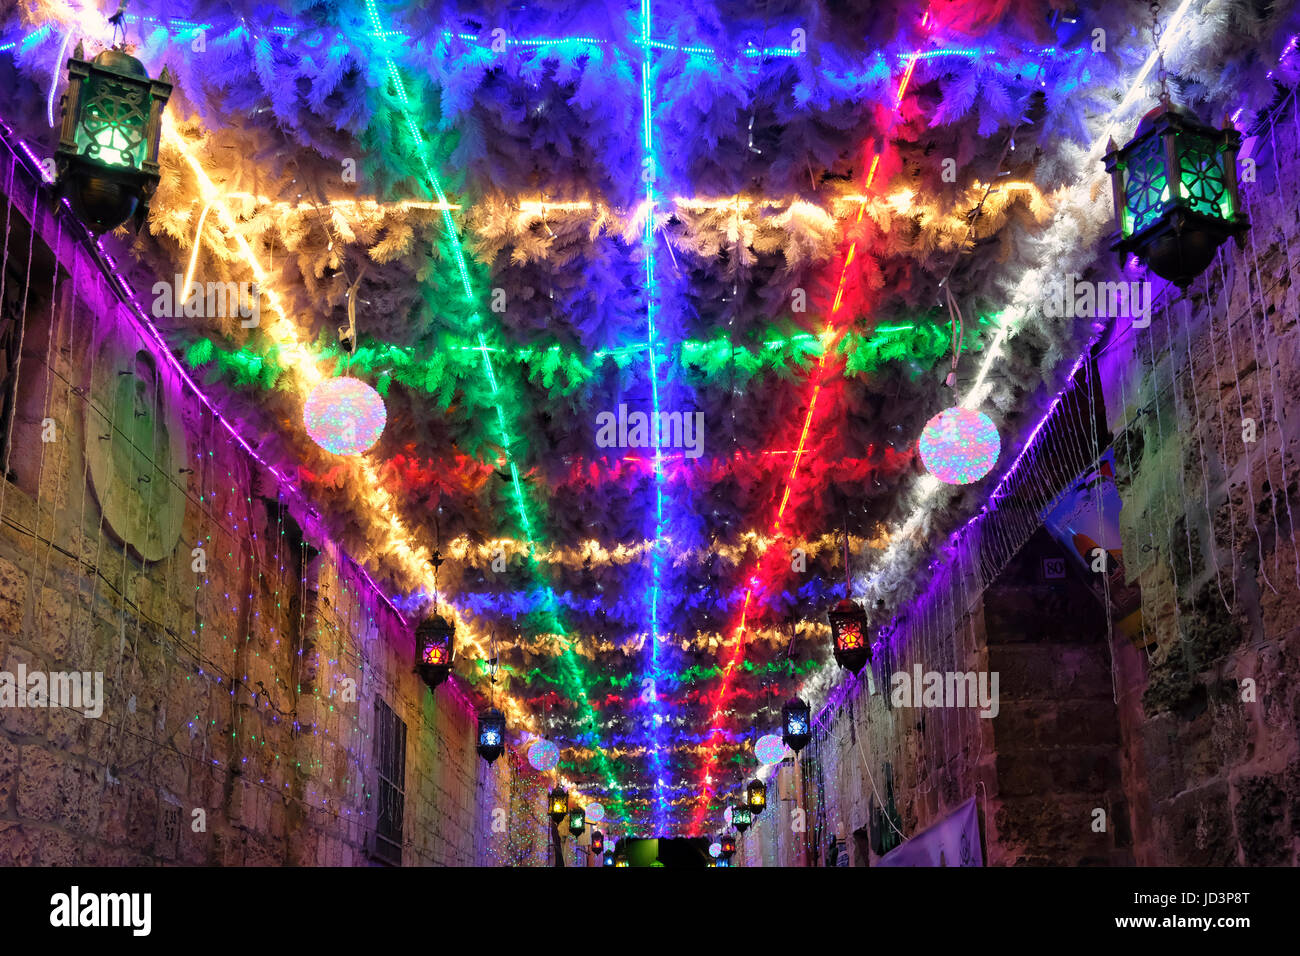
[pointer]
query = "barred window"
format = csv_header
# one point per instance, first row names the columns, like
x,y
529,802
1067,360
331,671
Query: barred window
x,y
390,790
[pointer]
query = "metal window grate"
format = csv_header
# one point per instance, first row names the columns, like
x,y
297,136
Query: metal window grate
x,y
390,790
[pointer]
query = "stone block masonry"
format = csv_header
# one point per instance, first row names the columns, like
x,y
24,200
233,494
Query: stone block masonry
x,y
241,667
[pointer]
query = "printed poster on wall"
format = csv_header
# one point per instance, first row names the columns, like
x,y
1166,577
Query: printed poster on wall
x,y
953,841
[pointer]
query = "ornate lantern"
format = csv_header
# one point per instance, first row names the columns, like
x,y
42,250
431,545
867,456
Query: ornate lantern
x,y
107,157
741,817
728,843
849,632
491,734
558,804
597,842
435,640
577,821
796,724
723,861
608,859
621,860
756,796
1175,190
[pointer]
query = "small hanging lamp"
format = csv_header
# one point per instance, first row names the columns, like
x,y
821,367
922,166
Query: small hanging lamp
x,y
558,804
597,842
849,621
577,821
796,724
491,734
741,817
727,842
756,797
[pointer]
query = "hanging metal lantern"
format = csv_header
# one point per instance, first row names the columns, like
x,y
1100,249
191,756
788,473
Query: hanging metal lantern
x,y
621,860
728,844
577,821
796,724
849,633
1175,191
107,158
558,804
435,640
741,817
597,842
722,861
491,734
609,858
756,797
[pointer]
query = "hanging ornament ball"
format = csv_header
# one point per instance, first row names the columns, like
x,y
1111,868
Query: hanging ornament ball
x,y
771,749
595,813
715,850
344,415
544,755
726,815
960,445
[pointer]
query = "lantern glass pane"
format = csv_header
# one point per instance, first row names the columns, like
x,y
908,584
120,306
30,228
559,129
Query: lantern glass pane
x,y
849,634
1146,186
1202,184
114,117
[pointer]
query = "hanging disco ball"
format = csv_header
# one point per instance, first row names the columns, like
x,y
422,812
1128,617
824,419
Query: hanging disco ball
x,y
960,445
344,415
771,749
595,813
715,850
543,755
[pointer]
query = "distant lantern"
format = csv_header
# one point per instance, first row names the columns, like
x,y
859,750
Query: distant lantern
x,y
558,804
491,734
741,817
609,858
344,415
727,846
770,749
597,841
959,445
621,860
577,821
1175,192
722,861
756,797
711,862
796,724
849,635
543,755
107,158
435,641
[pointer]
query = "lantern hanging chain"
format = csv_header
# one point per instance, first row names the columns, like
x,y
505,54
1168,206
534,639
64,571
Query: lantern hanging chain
x,y
958,335
1157,35
437,558
118,20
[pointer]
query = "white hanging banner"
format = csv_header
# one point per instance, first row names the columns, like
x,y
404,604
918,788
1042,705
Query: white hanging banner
x,y
953,841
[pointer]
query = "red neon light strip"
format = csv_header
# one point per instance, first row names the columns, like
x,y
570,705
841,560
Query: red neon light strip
x,y
711,765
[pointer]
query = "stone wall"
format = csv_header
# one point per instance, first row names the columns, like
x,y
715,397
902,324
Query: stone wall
x,y
240,668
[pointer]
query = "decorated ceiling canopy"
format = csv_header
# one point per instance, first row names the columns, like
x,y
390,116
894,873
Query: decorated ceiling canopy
x,y
649,303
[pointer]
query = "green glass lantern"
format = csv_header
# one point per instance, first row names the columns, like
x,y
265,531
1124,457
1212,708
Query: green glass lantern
x,y
1175,192
741,817
107,158
577,821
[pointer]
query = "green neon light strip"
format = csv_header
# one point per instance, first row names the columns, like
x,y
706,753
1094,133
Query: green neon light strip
x,y
569,664
564,372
